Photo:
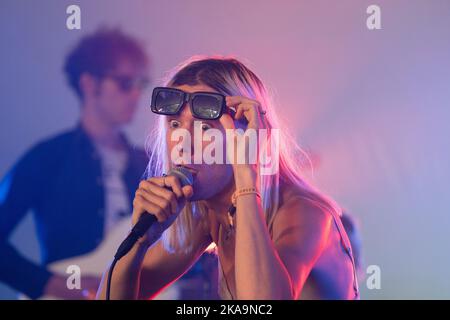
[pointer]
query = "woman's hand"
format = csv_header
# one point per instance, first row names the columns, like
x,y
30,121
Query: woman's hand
x,y
252,111
248,108
152,197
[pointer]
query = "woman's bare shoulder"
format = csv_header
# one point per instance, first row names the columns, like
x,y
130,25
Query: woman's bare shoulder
x,y
299,210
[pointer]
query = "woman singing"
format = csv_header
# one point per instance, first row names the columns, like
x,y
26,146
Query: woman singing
x,y
276,236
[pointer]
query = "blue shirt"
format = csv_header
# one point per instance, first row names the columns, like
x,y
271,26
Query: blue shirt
x,y
60,180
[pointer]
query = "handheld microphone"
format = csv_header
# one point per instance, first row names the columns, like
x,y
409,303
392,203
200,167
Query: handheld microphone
x,y
144,223
147,219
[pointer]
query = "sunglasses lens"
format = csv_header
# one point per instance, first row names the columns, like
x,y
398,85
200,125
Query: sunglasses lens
x,y
143,83
207,106
168,102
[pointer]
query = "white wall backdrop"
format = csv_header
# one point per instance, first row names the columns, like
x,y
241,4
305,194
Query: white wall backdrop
x,y
374,105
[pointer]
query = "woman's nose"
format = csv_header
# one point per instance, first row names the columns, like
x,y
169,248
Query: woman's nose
x,y
188,140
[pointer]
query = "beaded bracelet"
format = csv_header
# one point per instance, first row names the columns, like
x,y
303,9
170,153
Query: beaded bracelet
x,y
242,192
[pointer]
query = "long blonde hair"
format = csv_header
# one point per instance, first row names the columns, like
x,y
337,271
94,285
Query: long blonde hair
x,y
229,76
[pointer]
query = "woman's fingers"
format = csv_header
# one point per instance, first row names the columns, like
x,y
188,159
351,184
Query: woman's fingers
x,y
141,205
226,121
162,197
156,190
171,182
168,205
159,194
174,183
155,195
248,108
188,191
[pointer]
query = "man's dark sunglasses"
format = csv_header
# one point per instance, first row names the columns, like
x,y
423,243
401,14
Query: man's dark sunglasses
x,y
204,105
126,83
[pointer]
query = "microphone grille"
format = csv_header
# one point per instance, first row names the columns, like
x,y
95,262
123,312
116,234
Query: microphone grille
x,y
183,174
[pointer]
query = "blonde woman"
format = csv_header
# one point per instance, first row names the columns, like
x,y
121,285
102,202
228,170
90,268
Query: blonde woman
x,y
284,240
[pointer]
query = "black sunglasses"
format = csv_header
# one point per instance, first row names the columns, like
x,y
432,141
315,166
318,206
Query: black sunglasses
x,y
204,105
126,83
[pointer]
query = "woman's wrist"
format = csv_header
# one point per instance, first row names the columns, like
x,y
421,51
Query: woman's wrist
x,y
244,176
133,259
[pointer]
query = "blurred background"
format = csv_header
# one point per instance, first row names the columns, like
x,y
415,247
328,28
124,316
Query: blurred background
x,y
371,106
